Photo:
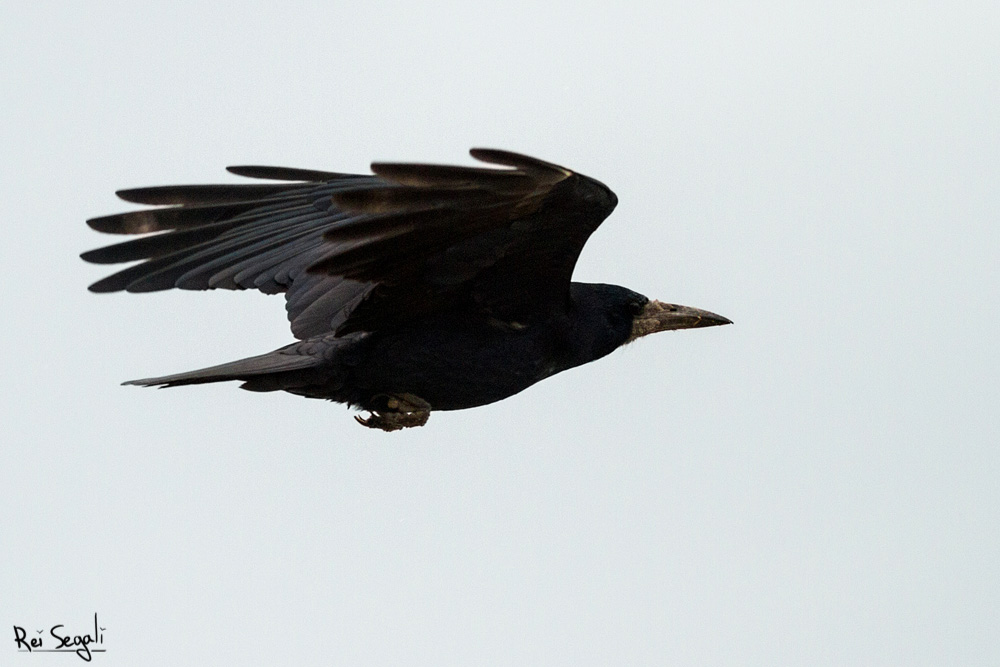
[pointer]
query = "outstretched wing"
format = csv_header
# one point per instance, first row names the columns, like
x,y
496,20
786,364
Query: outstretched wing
x,y
366,252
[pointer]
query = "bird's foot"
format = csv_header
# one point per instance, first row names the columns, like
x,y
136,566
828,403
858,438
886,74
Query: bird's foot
x,y
394,421
402,411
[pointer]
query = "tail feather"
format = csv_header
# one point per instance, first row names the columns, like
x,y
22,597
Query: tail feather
x,y
279,361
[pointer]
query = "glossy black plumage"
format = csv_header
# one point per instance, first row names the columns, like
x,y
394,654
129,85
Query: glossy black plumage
x,y
418,288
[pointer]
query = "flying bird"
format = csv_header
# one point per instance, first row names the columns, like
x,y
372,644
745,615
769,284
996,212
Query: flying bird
x,y
418,288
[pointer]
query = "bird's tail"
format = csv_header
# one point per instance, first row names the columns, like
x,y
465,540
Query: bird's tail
x,y
256,372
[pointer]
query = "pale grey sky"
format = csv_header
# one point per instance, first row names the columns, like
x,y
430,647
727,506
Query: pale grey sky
x,y
815,485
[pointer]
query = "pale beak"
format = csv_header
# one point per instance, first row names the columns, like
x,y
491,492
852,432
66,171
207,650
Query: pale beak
x,y
659,316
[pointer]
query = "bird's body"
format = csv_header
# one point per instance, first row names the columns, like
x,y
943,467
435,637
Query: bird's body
x,y
455,362
422,288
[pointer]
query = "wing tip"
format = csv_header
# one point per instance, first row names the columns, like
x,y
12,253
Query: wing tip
x,y
288,173
517,160
105,286
135,195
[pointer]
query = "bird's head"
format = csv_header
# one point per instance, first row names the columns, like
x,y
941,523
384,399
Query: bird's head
x,y
652,316
610,316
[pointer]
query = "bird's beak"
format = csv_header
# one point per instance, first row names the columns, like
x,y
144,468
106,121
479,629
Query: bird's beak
x,y
659,316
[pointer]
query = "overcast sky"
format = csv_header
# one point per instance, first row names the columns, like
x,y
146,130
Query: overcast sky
x,y
818,484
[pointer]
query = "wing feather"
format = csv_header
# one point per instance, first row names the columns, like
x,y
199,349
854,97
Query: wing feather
x,y
194,195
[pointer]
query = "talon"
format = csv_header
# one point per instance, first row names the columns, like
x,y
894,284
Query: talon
x,y
409,411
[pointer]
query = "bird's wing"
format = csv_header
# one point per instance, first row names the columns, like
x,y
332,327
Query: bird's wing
x,y
501,241
261,236
367,252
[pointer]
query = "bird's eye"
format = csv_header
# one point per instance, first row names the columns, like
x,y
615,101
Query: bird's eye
x,y
635,308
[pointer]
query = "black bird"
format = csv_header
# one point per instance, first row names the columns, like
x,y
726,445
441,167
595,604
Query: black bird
x,y
419,288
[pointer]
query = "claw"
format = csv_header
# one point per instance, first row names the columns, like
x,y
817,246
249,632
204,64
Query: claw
x,y
406,411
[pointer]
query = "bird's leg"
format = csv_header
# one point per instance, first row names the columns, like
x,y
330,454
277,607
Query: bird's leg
x,y
402,411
